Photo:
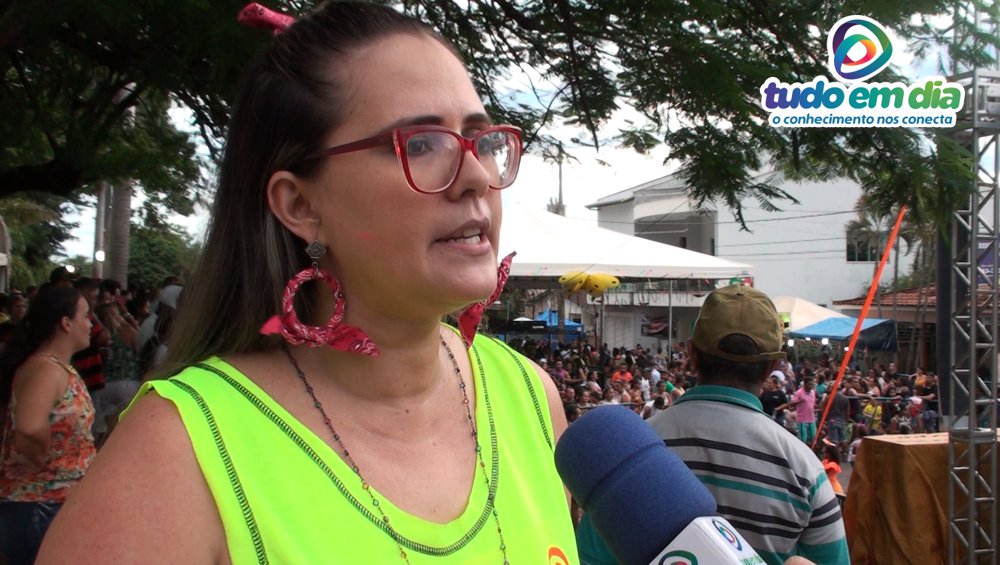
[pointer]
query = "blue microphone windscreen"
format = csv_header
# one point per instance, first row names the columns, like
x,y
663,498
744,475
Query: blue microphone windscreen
x,y
639,494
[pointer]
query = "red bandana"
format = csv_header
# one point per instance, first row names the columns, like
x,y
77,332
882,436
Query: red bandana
x,y
468,320
335,333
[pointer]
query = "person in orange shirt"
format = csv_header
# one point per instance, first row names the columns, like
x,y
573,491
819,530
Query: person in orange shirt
x,y
621,375
831,464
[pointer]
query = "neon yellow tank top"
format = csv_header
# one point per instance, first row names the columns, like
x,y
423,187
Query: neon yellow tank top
x,y
285,497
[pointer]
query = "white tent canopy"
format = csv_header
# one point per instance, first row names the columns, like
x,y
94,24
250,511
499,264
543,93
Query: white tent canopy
x,y
549,245
803,313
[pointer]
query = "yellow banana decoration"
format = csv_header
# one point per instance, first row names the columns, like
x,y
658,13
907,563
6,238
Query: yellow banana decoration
x,y
597,284
594,284
573,282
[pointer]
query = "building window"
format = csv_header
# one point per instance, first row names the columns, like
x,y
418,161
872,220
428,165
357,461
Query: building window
x,y
711,243
684,242
860,251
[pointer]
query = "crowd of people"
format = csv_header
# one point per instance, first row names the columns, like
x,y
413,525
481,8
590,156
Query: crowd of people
x,y
72,355
635,377
883,401
129,329
794,395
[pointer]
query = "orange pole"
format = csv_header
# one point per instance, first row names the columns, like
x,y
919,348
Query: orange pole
x,y
857,326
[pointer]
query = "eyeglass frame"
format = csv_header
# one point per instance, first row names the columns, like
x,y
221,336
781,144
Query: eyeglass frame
x,y
398,137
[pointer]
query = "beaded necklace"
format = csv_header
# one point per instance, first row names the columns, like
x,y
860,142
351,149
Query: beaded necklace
x,y
364,483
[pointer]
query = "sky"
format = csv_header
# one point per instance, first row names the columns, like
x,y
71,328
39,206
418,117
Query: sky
x,y
592,175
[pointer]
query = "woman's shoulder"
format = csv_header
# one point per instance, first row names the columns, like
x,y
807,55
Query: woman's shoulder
x,y
39,371
261,376
147,468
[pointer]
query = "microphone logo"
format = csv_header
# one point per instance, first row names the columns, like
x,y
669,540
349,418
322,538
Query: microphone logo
x,y
679,557
728,535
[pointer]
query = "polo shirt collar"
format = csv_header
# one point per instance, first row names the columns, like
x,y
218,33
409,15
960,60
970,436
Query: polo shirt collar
x,y
717,393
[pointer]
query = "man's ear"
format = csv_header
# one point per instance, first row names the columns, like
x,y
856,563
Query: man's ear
x,y
291,202
692,358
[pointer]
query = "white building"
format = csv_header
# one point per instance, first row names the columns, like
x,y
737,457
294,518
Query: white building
x,y
800,251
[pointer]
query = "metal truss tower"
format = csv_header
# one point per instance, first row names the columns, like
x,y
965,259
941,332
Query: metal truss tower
x,y
973,295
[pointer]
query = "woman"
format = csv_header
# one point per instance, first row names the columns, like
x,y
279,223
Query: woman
x,y
138,307
389,442
121,367
46,445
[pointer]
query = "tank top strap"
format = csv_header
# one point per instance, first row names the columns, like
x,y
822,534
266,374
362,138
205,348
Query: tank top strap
x,y
68,368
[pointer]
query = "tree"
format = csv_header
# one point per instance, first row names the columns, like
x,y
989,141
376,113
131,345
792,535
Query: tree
x,y
73,70
37,231
692,68
158,249
871,230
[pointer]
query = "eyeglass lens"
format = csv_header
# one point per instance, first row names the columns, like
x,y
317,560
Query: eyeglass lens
x,y
433,158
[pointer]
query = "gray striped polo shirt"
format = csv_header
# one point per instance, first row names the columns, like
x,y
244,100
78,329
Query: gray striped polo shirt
x,y
767,483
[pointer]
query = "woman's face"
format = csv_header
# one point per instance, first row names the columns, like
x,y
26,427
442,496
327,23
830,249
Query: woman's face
x,y
399,252
80,325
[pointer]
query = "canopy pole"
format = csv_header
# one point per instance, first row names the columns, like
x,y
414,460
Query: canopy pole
x,y
857,325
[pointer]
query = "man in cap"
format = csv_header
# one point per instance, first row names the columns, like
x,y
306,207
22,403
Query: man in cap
x,y
768,484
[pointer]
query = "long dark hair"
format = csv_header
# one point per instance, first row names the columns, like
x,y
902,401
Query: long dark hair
x,y
40,322
290,100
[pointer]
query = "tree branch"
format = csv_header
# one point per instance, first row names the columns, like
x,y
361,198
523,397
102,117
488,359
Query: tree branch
x,y
56,177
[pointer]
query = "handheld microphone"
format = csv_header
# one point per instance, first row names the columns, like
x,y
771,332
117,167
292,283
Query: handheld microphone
x,y
645,503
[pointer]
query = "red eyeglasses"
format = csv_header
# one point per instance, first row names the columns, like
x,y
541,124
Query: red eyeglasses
x,y
432,156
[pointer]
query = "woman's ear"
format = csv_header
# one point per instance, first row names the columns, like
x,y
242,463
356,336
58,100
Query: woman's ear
x,y
66,323
290,201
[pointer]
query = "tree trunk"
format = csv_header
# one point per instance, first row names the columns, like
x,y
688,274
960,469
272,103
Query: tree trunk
x,y
877,282
913,359
928,259
100,228
895,294
121,216
5,270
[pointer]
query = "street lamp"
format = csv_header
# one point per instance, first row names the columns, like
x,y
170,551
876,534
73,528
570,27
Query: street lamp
x,y
99,255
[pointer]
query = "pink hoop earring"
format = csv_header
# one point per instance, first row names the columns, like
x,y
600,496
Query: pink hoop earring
x,y
468,320
335,333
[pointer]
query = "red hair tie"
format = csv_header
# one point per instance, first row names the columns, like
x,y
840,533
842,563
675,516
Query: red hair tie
x,y
255,15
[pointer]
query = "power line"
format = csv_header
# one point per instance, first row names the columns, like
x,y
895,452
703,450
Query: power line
x,y
789,253
777,242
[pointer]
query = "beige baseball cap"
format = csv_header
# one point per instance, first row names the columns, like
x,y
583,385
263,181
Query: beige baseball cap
x,y
742,310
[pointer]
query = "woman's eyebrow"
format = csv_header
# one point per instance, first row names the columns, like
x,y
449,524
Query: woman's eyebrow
x,y
429,119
